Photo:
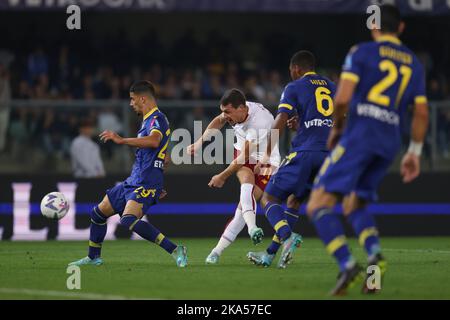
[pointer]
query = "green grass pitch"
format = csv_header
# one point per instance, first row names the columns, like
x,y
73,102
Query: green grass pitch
x,y
417,268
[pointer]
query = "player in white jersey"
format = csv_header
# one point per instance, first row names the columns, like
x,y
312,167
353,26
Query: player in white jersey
x,y
251,123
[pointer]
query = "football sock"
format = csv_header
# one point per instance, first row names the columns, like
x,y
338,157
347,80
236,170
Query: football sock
x,y
275,214
331,232
292,218
147,231
248,206
97,232
231,232
364,226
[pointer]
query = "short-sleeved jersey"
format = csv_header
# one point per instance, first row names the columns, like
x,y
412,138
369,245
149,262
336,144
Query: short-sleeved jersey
x,y
148,166
389,77
311,97
256,129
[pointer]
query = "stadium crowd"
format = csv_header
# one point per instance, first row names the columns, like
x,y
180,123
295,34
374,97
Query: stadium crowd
x,y
202,72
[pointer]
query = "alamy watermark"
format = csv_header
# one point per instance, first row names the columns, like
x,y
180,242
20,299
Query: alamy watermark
x,y
373,281
219,147
74,280
374,20
73,22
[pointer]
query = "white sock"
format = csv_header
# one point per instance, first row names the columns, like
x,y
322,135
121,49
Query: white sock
x,y
231,232
248,206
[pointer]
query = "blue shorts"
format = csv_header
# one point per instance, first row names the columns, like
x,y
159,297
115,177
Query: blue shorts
x,y
351,167
296,175
121,193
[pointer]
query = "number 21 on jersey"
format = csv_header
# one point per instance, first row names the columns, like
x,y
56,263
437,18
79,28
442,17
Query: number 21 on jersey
x,y
376,94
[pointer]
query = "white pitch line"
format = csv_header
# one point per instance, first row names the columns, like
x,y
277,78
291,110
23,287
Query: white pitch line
x,y
64,294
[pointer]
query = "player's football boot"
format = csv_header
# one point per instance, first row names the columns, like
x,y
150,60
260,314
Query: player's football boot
x,y
261,258
347,279
180,256
289,247
86,261
377,260
256,234
212,258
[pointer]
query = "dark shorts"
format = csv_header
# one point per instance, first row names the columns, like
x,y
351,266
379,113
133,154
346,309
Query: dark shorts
x,y
123,192
296,175
353,168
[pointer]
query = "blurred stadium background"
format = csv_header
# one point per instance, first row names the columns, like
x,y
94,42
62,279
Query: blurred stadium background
x,y
53,79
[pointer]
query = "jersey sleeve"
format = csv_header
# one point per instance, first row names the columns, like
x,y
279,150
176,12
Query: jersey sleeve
x,y
353,65
288,101
156,125
419,89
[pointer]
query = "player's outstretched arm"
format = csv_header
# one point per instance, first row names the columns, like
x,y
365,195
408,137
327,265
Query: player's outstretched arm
x,y
344,94
410,166
216,124
151,141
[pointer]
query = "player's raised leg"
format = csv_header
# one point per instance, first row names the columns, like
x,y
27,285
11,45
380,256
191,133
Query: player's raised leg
x,y
248,197
131,219
320,210
98,228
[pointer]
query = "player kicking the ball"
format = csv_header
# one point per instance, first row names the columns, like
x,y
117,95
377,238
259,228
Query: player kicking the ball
x,y
251,123
132,198
380,79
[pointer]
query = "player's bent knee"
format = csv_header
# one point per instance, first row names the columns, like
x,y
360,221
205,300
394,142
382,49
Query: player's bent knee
x,y
245,175
320,199
311,206
266,198
352,203
313,203
133,208
293,202
106,207
257,193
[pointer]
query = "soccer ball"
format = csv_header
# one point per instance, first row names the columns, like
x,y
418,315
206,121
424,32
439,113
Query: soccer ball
x,y
54,206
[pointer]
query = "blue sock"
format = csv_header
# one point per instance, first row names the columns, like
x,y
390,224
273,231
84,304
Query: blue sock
x,y
97,233
331,232
291,216
364,226
147,231
275,214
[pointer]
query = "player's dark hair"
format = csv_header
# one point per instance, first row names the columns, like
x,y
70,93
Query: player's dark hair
x,y
304,59
143,87
390,18
234,96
